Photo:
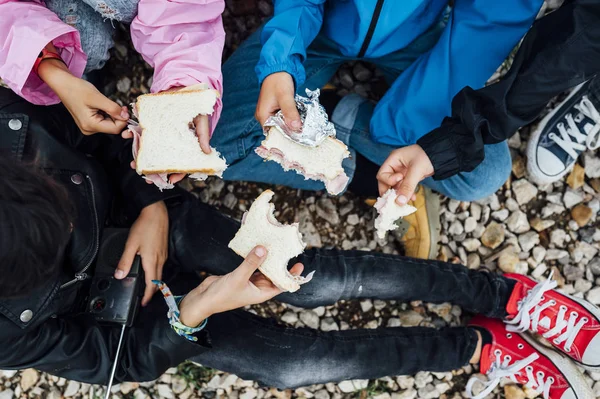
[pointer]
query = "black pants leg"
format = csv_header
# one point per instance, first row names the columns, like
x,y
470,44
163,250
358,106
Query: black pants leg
x,y
256,348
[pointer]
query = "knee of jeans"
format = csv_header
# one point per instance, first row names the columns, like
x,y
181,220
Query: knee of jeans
x,y
489,176
118,10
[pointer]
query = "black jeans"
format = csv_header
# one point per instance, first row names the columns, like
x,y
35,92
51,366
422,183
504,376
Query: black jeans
x,y
259,349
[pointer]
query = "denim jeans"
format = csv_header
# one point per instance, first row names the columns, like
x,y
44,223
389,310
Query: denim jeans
x,y
259,349
94,21
238,133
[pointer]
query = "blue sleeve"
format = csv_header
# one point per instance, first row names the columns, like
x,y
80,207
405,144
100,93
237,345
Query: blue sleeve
x,y
478,37
286,36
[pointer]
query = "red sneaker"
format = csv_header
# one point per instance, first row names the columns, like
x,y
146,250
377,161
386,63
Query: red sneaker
x,y
525,362
570,324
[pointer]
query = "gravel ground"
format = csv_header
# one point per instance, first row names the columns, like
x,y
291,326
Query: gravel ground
x,y
522,228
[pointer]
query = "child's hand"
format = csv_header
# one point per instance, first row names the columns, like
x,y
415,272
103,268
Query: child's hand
x,y
403,170
91,110
277,93
243,286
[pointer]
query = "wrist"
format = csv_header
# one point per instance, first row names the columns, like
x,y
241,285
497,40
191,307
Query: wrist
x,y
54,73
191,311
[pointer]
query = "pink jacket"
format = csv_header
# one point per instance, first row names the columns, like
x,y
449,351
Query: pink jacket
x,y
182,39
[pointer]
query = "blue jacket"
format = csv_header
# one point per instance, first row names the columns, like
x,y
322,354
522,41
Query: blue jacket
x,y
478,37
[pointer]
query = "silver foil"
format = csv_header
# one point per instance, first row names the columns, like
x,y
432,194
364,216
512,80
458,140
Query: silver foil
x,y
315,124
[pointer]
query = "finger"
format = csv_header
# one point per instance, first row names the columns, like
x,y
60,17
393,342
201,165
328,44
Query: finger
x,y
390,178
406,189
261,115
106,125
116,111
127,134
290,112
297,269
176,177
203,132
149,266
132,164
126,260
252,262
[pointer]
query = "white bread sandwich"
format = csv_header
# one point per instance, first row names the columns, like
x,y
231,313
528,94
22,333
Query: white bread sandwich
x,y
165,142
283,242
323,162
389,212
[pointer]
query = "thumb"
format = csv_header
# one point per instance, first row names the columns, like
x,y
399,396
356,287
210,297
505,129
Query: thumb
x,y
407,187
114,110
252,262
126,261
290,112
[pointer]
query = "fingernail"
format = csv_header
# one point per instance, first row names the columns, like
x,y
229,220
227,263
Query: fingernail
x,y
119,274
124,114
402,200
260,252
296,124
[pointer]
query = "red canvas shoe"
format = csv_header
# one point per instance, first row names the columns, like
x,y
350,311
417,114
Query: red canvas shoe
x,y
523,361
570,324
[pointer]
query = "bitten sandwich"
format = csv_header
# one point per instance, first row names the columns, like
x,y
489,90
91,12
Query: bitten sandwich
x,y
323,162
389,212
165,141
283,242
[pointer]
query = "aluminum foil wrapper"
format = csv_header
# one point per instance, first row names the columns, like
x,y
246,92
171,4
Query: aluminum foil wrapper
x,y
315,123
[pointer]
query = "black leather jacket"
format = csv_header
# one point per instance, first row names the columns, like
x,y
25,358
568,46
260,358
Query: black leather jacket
x,y
46,329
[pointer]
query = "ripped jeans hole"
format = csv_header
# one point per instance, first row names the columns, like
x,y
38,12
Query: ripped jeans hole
x,y
106,11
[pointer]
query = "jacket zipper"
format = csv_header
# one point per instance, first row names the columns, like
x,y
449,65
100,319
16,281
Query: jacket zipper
x,y
371,30
82,275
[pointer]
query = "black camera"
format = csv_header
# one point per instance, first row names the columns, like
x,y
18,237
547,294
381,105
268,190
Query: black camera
x,y
110,300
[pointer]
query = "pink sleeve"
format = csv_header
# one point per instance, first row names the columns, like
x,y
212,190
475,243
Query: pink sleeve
x,y
25,29
183,41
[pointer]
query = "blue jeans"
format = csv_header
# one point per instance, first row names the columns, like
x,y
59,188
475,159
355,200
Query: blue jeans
x,y
94,21
238,133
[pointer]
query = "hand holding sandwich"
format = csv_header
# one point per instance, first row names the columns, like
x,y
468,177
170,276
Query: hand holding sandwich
x,y
242,287
277,93
403,169
92,111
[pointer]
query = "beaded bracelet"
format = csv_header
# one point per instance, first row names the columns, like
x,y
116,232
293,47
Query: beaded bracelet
x,y
173,313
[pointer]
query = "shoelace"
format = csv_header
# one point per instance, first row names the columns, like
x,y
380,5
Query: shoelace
x,y
502,368
591,138
531,309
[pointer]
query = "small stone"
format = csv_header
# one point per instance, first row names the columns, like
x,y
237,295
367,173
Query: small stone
x,y
471,244
470,224
407,394
508,261
592,165
422,378
29,378
473,261
518,223
178,385
8,394
289,317
72,389
310,318
493,235
500,215
518,167
230,201
328,211
410,318
539,253
540,225
524,191
552,209
249,393
583,286
529,240
361,72
539,271
572,198
127,387
582,214
456,228
557,237
352,385
595,183
593,296
453,205
554,254
353,219
328,324
475,209
405,381
322,394
594,266
587,234
576,177
515,141
366,305
511,204
514,392
394,322
124,85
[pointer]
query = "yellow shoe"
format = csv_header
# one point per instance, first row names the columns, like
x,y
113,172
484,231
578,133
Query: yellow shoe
x,y
423,226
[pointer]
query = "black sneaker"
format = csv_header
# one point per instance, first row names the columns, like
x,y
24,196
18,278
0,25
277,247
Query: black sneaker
x,y
570,129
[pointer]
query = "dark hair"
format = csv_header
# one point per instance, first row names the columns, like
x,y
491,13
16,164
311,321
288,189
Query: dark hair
x,y
35,225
